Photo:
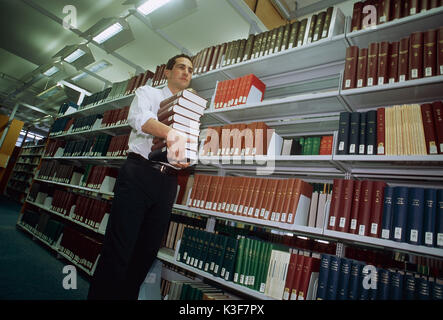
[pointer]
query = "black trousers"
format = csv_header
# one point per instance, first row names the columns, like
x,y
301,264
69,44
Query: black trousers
x,y
141,209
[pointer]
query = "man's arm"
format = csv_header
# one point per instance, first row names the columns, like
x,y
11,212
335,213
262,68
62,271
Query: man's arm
x,y
156,128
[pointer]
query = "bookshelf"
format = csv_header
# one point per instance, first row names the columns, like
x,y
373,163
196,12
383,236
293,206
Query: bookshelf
x,y
312,110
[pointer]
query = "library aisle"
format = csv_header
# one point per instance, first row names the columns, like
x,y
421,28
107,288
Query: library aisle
x,y
27,272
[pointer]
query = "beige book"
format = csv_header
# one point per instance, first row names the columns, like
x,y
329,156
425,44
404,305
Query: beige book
x,y
313,209
387,132
322,198
413,130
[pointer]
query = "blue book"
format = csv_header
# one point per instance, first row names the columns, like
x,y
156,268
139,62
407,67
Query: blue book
x,y
396,290
386,224
400,214
333,275
323,276
383,284
429,217
410,291
343,280
355,280
373,292
437,289
416,198
439,219
364,292
423,289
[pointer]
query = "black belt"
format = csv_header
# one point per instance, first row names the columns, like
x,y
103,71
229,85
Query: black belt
x,y
156,165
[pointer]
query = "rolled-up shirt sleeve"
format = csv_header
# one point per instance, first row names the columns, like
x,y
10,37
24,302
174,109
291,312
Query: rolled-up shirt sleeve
x,y
141,110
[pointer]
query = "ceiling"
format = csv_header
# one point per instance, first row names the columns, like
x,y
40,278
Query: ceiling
x,y
35,33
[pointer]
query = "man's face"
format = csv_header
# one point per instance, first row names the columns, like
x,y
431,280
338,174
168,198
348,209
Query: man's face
x,y
180,75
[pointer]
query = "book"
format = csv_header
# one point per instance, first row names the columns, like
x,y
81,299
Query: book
x,y
362,66
387,216
437,108
415,215
383,62
403,60
381,134
357,16
371,132
375,221
429,128
373,51
430,53
393,62
350,73
343,132
400,214
416,55
440,51
345,205
354,133
429,217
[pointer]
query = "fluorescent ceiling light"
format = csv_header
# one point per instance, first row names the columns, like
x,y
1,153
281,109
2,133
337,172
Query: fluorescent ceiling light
x,y
108,33
99,66
151,5
75,55
79,76
51,71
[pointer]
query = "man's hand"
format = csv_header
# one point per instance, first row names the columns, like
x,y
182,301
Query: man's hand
x,y
176,146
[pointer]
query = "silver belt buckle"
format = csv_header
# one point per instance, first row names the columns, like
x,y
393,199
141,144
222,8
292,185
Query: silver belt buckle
x,y
163,168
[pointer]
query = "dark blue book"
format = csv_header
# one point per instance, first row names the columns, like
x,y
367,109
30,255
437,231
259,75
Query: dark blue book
x,y
371,132
400,214
354,133
333,276
437,289
429,217
383,284
416,198
323,276
396,290
410,287
355,280
343,280
364,290
386,224
423,289
343,132
374,289
439,219
362,138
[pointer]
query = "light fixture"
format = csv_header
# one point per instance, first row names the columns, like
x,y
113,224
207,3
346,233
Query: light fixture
x,y
51,71
151,5
110,33
75,55
79,55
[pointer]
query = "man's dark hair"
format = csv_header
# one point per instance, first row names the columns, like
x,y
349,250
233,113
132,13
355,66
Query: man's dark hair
x,y
171,62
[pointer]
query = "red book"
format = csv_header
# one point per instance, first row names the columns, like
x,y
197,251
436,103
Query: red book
x,y
350,73
383,62
397,11
297,277
372,64
357,16
365,207
430,53
416,55
310,265
345,206
362,67
414,6
353,227
381,143
403,60
384,11
437,107
393,62
334,209
290,276
427,116
377,209
440,51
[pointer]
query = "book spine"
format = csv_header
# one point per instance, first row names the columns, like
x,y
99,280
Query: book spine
x,y
440,51
429,217
354,134
343,132
439,220
400,213
403,60
416,55
437,108
393,62
362,67
372,64
381,143
430,53
415,215
383,62
377,209
371,130
350,73
429,128
386,225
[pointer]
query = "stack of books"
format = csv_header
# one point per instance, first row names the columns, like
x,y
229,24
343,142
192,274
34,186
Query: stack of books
x,y
181,112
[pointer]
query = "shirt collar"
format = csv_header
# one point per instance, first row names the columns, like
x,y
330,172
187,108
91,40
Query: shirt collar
x,y
166,92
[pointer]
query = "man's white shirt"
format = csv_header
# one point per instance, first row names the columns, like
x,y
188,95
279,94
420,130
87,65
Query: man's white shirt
x,y
144,106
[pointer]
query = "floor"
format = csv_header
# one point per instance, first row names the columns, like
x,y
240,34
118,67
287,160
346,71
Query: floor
x,y
28,269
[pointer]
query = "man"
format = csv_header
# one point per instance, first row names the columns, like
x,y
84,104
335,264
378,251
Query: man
x,y
144,193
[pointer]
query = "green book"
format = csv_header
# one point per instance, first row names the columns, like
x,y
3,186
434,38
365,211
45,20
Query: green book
x,y
220,254
293,33
239,258
251,274
248,49
204,250
279,40
246,261
230,263
264,266
302,32
308,147
210,256
316,145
